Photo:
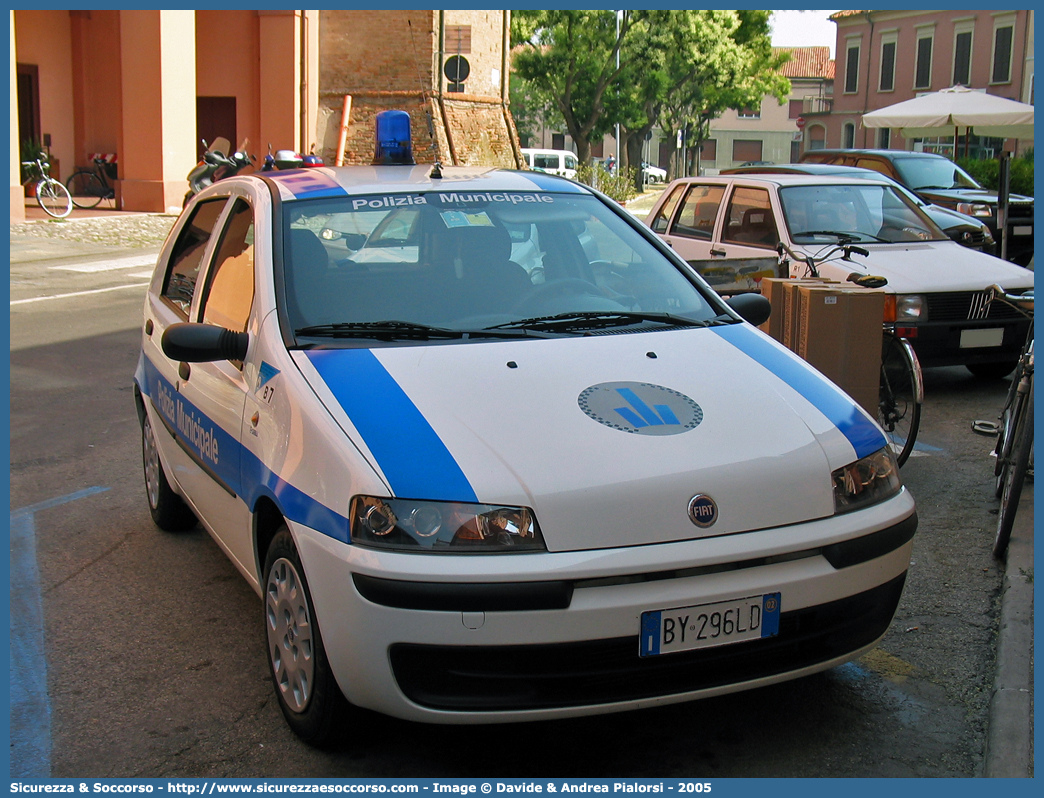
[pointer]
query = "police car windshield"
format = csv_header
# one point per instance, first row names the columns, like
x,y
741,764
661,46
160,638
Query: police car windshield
x,y
858,213
473,261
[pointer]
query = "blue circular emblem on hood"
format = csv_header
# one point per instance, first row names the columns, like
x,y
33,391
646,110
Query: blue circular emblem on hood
x,y
641,408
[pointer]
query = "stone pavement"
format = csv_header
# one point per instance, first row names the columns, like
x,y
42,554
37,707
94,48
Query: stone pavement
x,y
1009,745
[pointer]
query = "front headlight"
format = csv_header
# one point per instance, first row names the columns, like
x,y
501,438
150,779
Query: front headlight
x,y
975,209
865,482
443,527
905,308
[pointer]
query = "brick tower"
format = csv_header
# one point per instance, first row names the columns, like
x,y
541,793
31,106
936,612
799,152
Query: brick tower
x,y
447,66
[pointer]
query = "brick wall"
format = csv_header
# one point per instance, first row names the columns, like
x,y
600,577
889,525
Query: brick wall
x,y
389,59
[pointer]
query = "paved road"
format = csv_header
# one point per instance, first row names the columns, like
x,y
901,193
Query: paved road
x,y
152,643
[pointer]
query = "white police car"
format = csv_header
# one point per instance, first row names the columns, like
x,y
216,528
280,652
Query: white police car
x,y
469,492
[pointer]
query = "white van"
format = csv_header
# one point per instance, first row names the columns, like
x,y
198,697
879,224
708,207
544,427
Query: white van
x,y
556,162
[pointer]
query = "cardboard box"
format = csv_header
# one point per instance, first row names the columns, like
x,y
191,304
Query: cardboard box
x,y
790,318
840,334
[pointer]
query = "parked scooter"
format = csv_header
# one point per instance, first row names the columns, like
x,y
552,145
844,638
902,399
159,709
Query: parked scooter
x,y
288,159
215,164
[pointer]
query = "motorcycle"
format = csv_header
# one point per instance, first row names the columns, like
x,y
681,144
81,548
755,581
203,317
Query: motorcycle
x,y
215,164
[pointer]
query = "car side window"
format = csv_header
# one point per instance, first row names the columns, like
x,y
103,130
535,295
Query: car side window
x,y
230,285
883,167
698,212
187,256
663,216
750,221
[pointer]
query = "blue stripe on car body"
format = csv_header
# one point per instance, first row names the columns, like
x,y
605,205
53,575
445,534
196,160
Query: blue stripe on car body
x,y
253,479
413,458
842,412
309,183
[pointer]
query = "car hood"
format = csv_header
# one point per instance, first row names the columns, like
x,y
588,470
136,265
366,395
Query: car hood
x,y
949,219
929,267
955,195
606,438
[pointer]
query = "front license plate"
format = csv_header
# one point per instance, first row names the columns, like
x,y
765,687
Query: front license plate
x,y
973,339
1022,230
707,625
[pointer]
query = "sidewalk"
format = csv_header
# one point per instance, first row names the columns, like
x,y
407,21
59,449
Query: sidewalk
x,y
1009,740
84,233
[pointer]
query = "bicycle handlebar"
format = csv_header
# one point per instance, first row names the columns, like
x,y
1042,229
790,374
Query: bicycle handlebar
x,y
1017,301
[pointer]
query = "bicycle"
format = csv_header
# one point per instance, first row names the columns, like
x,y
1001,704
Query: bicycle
x,y
51,195
1014,447
88,187
901,393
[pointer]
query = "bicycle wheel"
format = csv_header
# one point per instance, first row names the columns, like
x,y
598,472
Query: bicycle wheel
x,y
54,198
1005,430
899,407
1021,448
86,189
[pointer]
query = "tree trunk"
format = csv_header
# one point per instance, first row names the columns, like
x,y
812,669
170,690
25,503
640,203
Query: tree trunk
x,y
634,158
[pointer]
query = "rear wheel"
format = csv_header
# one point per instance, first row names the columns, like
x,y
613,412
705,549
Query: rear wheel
x,y
54,198
309,697
898,410
86,189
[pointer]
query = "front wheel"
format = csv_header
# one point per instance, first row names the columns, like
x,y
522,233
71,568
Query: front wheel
x,y
1021,453
54,198
168,509
86,189
308,695
899,403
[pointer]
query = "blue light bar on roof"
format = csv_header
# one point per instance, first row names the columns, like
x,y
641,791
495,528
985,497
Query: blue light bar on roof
x,y
393,144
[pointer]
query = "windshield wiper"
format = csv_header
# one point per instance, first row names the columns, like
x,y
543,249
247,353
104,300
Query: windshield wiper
x,y
594,320
842,238
401,330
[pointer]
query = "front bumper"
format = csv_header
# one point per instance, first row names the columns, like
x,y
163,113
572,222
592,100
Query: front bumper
x,y
561,638
939,343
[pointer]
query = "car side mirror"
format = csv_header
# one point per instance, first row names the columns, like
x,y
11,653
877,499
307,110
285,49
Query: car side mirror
x,y
203,343
354,241
753,308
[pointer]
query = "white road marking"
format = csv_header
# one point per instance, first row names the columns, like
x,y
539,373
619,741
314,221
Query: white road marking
x,y
77,293
109,265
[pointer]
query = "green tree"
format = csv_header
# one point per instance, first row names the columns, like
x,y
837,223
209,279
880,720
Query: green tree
x,y
677,69
733,66
570,57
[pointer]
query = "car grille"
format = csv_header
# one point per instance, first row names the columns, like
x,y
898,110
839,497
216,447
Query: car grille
x,y
967,305
499,678
1020,210
969,238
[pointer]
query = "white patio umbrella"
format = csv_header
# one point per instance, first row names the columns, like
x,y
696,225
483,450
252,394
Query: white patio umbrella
x,y
958,108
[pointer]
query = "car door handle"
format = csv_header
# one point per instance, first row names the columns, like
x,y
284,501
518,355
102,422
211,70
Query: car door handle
x,y
184,371
668,242
718,253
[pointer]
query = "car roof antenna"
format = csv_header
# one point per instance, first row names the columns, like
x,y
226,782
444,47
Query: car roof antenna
x,y
436,170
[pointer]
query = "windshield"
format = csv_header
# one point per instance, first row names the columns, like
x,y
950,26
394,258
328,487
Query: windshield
x,y
453,261
860,213
919,173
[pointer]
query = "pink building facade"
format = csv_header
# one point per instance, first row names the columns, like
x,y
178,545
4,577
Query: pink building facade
x,y
886,57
